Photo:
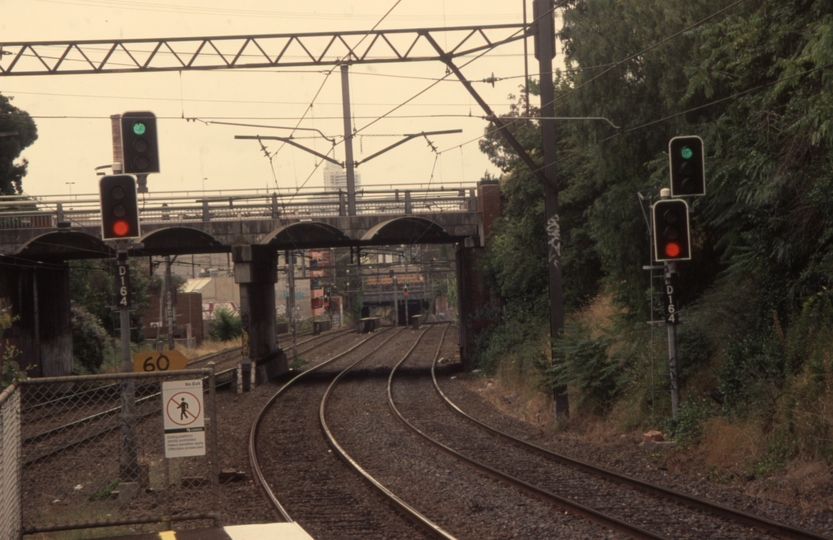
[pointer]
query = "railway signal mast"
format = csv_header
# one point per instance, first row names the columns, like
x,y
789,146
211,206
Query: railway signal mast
x,y
671,234
120,225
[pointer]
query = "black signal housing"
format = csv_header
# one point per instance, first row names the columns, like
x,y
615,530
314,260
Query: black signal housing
x,y
672,237
688,166
119,207
139,143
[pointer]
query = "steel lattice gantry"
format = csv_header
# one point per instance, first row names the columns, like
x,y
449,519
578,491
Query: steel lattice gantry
x,y
263,51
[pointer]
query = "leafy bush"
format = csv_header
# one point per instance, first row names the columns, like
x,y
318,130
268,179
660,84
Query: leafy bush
x,y
752,374
582,363
520,335
225,326
88,340
686,427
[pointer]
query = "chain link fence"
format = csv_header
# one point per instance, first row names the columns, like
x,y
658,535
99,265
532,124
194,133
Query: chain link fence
x,y
109,453
9,462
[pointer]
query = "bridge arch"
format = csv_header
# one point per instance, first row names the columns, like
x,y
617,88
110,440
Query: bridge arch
x,y
179,241
407,230
63,245
306,235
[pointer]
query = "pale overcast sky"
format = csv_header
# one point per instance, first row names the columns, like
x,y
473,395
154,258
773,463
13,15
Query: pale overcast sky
x,y
72,111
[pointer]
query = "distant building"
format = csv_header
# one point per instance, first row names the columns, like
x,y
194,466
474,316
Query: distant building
x,y
188,323
335,178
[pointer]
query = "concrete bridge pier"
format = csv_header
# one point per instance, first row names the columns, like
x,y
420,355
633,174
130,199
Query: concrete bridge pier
x,y
477,307
39,295
255,271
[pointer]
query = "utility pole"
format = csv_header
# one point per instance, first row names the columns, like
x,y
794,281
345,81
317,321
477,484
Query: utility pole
x,y
395,301
545,52
544,28
169,303
670,272
348,142
290,304
405,299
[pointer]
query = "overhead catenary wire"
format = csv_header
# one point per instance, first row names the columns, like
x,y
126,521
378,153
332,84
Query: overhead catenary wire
x,y
239,12
298,189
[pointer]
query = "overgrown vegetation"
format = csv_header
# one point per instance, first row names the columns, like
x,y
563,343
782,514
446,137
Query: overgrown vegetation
x,y
11,370
225,326
755,350
89,339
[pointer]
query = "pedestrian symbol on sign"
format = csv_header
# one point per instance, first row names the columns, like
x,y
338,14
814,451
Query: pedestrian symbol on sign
x,y
183,406
183,409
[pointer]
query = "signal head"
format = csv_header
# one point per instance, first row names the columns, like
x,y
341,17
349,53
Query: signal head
x,y
672,239
119,207
139,142
687,166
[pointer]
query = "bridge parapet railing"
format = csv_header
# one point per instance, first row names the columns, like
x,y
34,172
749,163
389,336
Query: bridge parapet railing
x,y
49,212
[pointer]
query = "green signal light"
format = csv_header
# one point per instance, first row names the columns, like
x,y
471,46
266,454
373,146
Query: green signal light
x,y
686,152
139,128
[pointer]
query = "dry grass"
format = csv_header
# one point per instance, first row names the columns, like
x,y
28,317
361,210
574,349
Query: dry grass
x,y
596,316
730,445
207,347
515,398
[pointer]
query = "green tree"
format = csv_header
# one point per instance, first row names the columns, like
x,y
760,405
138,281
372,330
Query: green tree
x,y
89,339
225,326
754,81
17,132
92,286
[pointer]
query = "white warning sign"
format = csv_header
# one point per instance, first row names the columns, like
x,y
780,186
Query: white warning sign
x,y
182,407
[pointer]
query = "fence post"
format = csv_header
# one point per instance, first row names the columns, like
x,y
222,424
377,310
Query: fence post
x,y
214,426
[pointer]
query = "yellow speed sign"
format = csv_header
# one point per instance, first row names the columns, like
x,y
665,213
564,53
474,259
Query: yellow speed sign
x,y
159,361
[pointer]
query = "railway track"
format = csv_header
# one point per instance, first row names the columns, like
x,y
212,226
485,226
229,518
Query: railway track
x,y
304,480
633,507
349,397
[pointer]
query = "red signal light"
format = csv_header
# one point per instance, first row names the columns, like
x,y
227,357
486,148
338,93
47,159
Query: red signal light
x,y
672,249
121,228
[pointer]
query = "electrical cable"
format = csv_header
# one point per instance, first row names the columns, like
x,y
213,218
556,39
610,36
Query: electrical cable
x,y
643,51
204,10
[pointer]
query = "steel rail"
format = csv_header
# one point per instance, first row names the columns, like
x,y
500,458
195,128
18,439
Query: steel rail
x,y
228,354
409,510
547,496
253,458
738,516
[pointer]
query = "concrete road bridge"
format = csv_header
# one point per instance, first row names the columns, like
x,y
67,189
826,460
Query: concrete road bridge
x,y
53,228
40,235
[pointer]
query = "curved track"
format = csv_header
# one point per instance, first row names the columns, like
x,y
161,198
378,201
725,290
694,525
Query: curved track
x,y
633,507
314,487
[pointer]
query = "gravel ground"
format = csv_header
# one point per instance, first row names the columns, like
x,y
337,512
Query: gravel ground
x,y
467,504
242,502
624,455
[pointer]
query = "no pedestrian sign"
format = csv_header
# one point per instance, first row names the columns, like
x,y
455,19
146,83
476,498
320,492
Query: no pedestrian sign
x,y
182,407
